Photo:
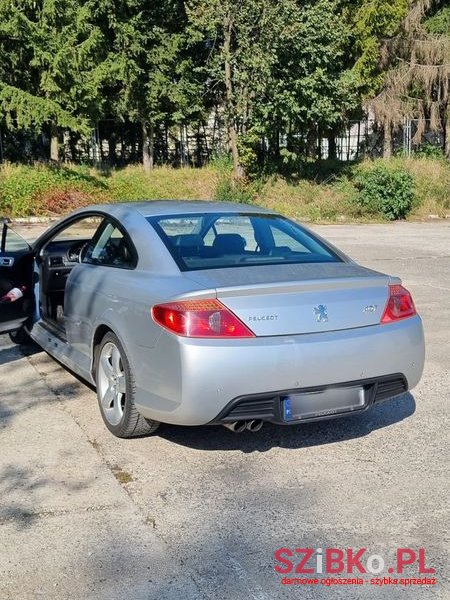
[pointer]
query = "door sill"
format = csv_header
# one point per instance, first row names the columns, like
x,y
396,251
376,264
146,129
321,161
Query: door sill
x,y
54,329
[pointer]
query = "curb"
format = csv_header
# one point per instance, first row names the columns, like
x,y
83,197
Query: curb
x,y
32,220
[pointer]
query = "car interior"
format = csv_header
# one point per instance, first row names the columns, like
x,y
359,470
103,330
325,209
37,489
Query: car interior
x,y
92,241
58,258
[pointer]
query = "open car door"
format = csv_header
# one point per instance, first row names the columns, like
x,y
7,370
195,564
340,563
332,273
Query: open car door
x,y
16,273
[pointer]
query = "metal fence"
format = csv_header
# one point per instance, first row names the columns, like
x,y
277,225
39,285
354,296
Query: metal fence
x,y
364,139
117,144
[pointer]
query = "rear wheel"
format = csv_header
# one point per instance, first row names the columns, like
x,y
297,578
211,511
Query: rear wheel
x,y
116,391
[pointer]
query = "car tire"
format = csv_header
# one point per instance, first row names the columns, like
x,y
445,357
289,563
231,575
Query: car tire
x,y
116,391
20,337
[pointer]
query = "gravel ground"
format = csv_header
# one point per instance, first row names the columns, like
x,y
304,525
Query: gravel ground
x,y
197,513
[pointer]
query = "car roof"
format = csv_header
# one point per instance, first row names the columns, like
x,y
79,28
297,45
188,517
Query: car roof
x,y
150,208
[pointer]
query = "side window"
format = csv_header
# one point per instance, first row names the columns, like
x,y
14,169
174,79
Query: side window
x,y
110,248
15,243
81,229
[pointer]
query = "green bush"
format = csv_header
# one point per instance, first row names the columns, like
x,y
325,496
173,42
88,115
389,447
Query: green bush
x,y
428,151
228,190
385,191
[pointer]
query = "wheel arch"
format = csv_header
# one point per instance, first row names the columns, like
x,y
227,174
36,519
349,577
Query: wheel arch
x,y
99,333
109,322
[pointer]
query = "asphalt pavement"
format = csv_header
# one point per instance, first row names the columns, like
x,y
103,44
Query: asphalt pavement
x,y
197,513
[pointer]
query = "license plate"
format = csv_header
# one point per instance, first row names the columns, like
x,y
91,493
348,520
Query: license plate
x,y
330,401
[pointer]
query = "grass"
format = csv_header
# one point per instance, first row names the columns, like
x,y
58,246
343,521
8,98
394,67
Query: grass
x,y
46,190
310,201
432,178
37,190
336,200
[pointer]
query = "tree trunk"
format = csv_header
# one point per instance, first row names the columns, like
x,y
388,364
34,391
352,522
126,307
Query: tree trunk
x,y
387,141
54,143
447,139
198,147
319,143
274,146
100,145
148,136
447,132
123,150
134,146
186,146
73,147
112,157
205,138
332,148
229,101
289,138
166,144
311,144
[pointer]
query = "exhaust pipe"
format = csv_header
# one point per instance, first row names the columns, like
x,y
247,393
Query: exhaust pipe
x,y
236,426
254,425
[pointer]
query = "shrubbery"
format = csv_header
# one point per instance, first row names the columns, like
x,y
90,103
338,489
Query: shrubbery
x,y
389,192
46,189
40,189
330,192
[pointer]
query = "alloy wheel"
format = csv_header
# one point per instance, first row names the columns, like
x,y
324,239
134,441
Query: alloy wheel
x,y
112,383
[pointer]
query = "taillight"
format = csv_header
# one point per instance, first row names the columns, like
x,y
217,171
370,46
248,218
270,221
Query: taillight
x,y
399,305
200,318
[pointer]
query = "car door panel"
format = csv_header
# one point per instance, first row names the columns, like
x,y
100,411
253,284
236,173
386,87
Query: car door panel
x,y
16,270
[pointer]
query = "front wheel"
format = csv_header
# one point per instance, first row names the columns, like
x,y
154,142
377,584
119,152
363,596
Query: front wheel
x,y
116,391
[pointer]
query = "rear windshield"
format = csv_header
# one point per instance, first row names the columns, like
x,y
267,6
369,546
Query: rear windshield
x,y
221,240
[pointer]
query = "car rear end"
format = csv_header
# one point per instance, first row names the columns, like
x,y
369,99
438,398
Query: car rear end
x,y
291,344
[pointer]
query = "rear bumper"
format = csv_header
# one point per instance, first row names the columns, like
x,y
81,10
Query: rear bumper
x,y
193,381
269,407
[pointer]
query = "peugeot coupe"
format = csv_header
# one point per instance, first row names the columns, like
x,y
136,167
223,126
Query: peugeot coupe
x,y
196,313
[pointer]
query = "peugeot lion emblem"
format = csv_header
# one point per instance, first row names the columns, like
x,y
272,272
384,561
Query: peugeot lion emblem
x,y
321,313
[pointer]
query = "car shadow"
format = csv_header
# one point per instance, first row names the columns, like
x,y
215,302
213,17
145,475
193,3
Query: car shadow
x,y
219,438
12,353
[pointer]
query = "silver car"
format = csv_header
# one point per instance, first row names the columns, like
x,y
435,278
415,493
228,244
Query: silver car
x,y
199,313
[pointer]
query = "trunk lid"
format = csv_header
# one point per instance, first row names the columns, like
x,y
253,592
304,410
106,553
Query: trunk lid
x,y
302,298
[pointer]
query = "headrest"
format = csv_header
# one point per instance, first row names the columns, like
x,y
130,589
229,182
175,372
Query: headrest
x,y
229,243
187,239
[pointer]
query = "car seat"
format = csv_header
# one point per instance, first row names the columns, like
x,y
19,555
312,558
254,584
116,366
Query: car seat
x,y
229,243
187,244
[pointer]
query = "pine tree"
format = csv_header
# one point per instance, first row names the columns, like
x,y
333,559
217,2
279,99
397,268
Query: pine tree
x,y
152,74
56,57
416,82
